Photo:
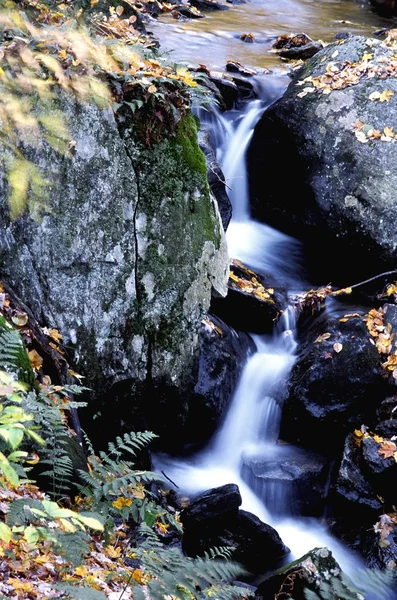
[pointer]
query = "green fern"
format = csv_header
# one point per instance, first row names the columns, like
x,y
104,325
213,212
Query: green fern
x,y
51,420
170,573
13,355
112,476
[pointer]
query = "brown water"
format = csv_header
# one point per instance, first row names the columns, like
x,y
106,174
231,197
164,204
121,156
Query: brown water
x,y
215,39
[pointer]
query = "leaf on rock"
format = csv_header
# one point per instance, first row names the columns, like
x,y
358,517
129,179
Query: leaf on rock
x,y
20,319
35,360
387,449
337,347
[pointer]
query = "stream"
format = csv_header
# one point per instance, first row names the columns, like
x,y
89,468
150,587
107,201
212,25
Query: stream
x,y
250,428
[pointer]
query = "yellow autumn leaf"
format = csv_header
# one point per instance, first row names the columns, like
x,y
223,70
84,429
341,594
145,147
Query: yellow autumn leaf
x,y
20,586
137,575
35,360
367,56
161,527
121,502
55,335
388,131
81,571
386,95
113,552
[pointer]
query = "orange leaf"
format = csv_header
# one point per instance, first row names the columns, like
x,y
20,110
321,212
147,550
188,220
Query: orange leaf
x,y
35,360
387,449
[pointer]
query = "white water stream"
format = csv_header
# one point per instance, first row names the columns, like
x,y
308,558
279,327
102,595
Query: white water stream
x,y
251,425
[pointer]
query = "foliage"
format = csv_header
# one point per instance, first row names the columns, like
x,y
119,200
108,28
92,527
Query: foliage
x,y
102,59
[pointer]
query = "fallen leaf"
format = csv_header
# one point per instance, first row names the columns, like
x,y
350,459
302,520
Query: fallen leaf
x,y
35,360
387,449
337,347
20,319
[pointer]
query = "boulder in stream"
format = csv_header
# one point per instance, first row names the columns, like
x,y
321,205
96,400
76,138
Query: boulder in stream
x,y
336,384
289,481
251,303
333,133
122,261
316,572
214,519
222,355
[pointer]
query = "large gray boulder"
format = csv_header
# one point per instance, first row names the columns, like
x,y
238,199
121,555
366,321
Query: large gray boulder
x,y
340,193
124,259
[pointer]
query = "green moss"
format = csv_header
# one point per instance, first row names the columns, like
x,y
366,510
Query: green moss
x,y
186,136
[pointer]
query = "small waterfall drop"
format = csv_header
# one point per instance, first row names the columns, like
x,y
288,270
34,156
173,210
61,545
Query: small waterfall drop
x,y
251,426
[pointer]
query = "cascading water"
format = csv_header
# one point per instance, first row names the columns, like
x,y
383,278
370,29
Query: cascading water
x,y
250,428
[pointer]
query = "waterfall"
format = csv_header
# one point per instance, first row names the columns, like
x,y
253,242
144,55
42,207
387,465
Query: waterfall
x,y
250,428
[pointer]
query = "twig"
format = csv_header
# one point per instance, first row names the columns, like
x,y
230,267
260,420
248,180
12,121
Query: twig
x,y
367,280
173,483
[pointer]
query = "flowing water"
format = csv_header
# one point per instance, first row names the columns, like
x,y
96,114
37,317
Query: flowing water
x,y
250,428
216,38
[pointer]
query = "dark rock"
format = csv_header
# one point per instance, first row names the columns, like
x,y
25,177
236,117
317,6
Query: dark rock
x,y
358,498
333,389
248,38
227,89
363,499
214,520
346,189
249,306
317,571
387,415
236,1
212,506
385,7
232,88
235,67
291,482
301,52
189,12
208,5
296,40
222,355
216,178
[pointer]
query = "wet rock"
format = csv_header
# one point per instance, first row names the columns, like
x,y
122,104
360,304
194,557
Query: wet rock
x,y
317,572
215,176
248,38
208,5
251,304
291,482
232,88
357,495
335,385
235,67
214,520
190,12
301,52
385,7
296,47
339,195
362,497
222,355
387,415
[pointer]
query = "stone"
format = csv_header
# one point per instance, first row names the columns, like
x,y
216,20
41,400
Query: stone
x,y
122,262
332,392
316,572
214,519
339,195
